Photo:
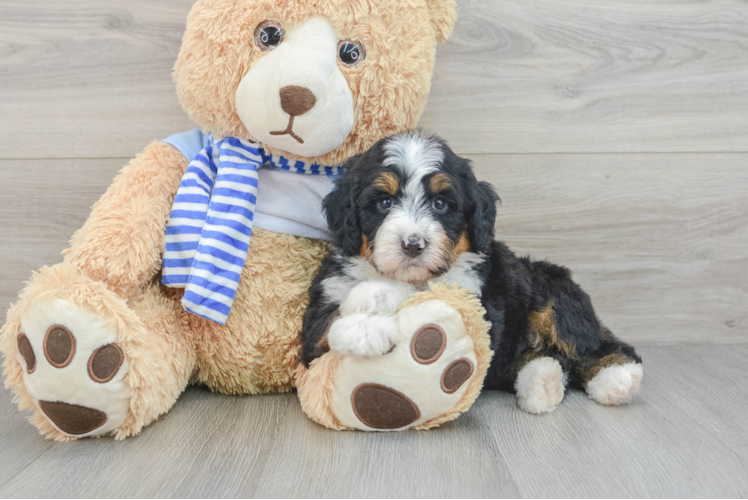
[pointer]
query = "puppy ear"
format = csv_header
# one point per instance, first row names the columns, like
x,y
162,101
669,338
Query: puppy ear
x,y
443,18
340,211
484,217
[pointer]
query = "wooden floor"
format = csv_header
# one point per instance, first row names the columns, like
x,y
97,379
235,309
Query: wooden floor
x,y
685,435
616,133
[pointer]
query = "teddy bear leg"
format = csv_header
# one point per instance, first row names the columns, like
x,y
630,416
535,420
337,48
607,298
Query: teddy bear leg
x,y
89,363
433,373
258,349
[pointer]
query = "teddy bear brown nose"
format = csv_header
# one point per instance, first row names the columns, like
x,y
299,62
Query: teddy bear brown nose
x,y
296,100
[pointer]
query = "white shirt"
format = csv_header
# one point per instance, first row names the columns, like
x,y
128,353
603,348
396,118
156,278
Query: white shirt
x,y
287,202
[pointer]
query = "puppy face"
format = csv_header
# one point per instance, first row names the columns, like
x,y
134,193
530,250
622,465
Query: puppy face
x,y
411,207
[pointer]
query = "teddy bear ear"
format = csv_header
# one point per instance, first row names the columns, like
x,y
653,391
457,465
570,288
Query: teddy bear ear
x,y
443,17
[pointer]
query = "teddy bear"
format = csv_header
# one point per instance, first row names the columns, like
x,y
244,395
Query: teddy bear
x,y
194,266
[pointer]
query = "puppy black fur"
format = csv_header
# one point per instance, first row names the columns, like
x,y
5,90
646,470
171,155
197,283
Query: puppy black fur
x,y
535,308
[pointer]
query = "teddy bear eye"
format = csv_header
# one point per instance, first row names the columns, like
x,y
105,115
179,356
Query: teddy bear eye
x,y
268,35
351,53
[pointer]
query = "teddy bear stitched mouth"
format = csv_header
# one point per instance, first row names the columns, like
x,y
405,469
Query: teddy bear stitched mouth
x,y
295,101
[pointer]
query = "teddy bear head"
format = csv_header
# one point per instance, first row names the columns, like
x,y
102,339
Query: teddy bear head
x,y
319,80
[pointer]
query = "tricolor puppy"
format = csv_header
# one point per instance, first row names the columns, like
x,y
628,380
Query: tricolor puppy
x,y
410,211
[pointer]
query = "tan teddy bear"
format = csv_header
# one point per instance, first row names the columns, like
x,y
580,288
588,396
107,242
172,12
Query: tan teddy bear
x,y
106,341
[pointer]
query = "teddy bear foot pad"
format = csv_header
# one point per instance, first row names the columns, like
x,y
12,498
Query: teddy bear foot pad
x,y
73,369
384,408
423,377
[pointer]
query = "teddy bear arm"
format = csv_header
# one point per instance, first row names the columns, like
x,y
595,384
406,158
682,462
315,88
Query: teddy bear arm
x,y
121,242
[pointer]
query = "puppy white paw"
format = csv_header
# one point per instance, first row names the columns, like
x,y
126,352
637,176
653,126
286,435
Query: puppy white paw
x,y
362,335
375,297
616,384
540,385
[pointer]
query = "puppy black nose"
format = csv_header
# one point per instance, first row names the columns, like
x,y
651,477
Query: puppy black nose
x,y
414,245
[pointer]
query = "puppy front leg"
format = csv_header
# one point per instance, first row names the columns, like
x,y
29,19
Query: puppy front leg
x,y
376,297
362,334
367,326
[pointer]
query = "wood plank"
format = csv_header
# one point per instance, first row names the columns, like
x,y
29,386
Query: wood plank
x,y
454,461
517,76
45,201
660,241
695,382
88,78
684,436
532,76
20,443
655,447
164,456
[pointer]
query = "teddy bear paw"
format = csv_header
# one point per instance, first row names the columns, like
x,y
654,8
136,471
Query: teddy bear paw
x,y
73,368
421,379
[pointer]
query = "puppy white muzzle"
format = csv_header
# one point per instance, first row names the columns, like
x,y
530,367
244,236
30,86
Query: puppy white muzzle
x,y
413,245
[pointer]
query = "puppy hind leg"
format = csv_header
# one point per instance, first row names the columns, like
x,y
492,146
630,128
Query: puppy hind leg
x,y
541,374
612,374
540,382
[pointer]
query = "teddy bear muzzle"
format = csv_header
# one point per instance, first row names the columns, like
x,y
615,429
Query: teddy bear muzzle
x,y
295,100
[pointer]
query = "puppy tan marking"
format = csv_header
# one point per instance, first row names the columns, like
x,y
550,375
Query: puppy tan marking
x,y
462,246
439,183
388,183
367,249
591,369
542,326
323,345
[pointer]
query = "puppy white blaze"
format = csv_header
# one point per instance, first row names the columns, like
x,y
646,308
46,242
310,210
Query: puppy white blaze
x,y
411,153
414,156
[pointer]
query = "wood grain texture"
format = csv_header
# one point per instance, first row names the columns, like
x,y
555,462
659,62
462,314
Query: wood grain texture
x,y
660,241
92,77
683,436
48,201
586,76
88,78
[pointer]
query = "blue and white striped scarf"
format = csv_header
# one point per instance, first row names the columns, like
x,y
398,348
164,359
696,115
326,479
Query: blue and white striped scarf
x,y
207,237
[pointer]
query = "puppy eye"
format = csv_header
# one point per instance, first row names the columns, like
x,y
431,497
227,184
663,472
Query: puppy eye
x,y
268,35
385,204
440,205
351,53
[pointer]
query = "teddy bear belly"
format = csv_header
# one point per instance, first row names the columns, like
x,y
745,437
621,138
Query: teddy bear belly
x,y
258,348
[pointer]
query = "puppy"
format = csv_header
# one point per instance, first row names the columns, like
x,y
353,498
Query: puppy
x,y
410,211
